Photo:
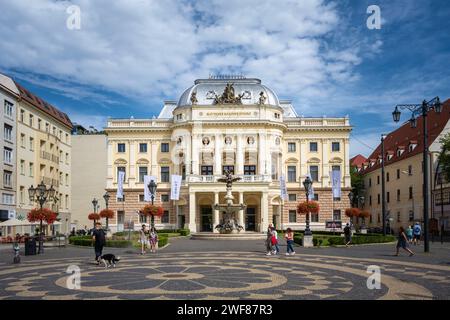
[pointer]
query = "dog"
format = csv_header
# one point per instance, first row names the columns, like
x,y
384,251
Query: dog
x,y
109,260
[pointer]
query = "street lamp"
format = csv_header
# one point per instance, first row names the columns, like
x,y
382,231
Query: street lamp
x,y
152,188
383,179
106,197
307,185
94,203
417,110
41,195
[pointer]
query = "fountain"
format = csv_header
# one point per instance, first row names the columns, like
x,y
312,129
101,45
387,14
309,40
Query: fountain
x,y
229,222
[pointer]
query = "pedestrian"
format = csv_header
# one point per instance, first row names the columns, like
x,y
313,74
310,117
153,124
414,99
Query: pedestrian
x,y
347,234
403,242
289,236
274,241
153,240
409,234
417,231
143,238
269,240
99,239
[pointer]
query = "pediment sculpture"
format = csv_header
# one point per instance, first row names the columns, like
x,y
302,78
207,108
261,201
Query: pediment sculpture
x,y
228,96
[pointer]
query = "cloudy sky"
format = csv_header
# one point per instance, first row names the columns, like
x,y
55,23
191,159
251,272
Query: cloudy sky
x,y
130,55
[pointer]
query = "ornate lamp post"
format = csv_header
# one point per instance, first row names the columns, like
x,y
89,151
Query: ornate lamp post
x,y
95,204
417,110
152,188
41,195
106,197
307,185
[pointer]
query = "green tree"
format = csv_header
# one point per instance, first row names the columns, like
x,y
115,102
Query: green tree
x,y
444,156
357,182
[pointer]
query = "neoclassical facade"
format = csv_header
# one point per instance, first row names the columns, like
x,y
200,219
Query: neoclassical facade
x,y
235,124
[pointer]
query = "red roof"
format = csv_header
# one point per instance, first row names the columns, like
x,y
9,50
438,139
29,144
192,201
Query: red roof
x,y
43,106
405,135
357,161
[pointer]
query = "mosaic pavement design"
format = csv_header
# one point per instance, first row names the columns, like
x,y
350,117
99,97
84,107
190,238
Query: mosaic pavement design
x,y
224,275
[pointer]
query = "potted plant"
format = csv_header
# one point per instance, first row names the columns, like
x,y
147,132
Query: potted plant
x,y
108,214
94,216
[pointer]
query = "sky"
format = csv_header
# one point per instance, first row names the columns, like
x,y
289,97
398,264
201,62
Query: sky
x,y
128,56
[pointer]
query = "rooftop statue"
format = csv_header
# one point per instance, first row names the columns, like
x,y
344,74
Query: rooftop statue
x,y
228,96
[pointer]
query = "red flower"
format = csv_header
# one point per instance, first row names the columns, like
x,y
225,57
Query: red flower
x,y
94,216
107,213
44,214
305,207
364,214
150,210
352,212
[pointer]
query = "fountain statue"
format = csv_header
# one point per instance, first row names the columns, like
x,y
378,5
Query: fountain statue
x,y
229,222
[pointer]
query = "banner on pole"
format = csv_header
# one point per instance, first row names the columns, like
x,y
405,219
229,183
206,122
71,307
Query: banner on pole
x,y
311,189
147,195
283,188
175,188
336,183
120,178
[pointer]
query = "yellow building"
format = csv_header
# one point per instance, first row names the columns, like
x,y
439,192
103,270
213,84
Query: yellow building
x,y
234,124
43,153
404,172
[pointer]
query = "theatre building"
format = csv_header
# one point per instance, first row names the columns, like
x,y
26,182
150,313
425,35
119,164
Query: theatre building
x,y
236,124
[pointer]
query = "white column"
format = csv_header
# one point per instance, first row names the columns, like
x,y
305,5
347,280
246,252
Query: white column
x,y
216,213
347,182
262,154
218,154
325,163
192,211
195,154
241,212
154,159
132,179
110,173
239,156
303,152
188,156
264,212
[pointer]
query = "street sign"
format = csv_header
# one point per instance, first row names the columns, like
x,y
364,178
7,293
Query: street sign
x,y
337,224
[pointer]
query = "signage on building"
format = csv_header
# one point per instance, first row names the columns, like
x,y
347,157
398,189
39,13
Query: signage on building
x,y
128,225
11,214
333,224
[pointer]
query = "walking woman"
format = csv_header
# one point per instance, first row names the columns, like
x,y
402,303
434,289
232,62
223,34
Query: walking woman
x,y
269,240
143,238
409,234
289,236
403,242
153,240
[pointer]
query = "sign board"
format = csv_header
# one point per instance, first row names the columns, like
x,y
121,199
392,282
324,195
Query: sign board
x,y
333,224
12,214
128,225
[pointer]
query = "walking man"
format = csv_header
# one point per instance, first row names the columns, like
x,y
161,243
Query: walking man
x,y
417,230
99,239
347,234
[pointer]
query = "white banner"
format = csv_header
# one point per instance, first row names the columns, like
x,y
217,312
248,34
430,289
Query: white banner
x,y
147,195
283,188
336,183
120,181
175,188
311,189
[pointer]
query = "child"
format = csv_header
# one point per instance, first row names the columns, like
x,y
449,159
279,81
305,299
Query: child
x,y
153,240
275,241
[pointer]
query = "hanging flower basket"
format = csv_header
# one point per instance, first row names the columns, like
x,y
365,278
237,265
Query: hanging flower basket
x,y
107,213
94,216
150,210
44,214
352,212
364,214
306,207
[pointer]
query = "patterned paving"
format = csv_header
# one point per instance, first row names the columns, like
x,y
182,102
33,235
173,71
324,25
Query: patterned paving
x,y
224,275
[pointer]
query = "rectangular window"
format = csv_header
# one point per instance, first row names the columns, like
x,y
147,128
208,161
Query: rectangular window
x,y
7,155
314,217
31,122
313,146
291,147
292,216
39,124
142,173
378,199
398,194
31,169
411,215
292,174
398,173
165,217
229,168
387,176
165,174
121,147
22,195
123,169
121,199
141,198
164,198
378,179
22,115
410,192
207,170
387,197
316,197
7,130
398,217
31,144
67,201
142,218
314,171
370,182
7,179
336,214
9,109
410,170
292,197
142,147
370,200
67,179
249,170
335,146
7,198
22,167
164,147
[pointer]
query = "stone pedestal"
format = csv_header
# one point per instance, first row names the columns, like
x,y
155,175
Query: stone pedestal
x,y
308,241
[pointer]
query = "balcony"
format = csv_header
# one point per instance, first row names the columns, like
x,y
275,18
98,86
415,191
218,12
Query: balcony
x,y
49,181
212,178
48,156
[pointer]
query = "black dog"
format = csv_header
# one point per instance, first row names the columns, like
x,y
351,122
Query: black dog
x,y
109,260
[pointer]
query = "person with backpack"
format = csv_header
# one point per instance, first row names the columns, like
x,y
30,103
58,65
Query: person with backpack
x,y
417,231
347,234
99,239
409,234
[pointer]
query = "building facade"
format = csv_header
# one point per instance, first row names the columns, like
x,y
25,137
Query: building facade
x,y
8,114
234,124
404,172
89,159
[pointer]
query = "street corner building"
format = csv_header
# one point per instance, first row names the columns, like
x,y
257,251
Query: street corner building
x,y
236,124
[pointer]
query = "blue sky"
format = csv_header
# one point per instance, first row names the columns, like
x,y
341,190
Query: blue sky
x,y
129,56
